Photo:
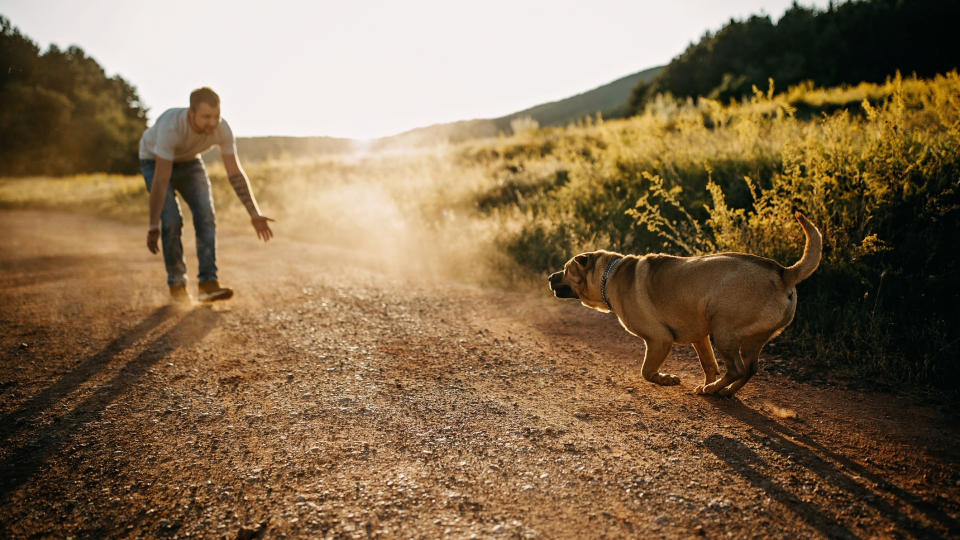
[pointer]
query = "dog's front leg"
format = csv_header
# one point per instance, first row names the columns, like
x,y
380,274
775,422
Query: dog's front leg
x,y
656,353
707,361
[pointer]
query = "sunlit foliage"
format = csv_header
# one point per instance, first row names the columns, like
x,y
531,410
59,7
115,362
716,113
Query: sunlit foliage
x,y
875,166
881,179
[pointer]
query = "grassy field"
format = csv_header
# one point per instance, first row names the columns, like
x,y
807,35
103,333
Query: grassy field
x,y
111,195
877,167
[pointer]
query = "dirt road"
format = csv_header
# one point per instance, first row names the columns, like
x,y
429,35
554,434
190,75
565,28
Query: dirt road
x,y
339,396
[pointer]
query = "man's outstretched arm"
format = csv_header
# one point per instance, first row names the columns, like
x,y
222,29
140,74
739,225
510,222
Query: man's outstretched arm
x,y
241,185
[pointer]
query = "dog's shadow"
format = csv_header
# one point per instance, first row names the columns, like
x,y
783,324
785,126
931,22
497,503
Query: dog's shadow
x,y
835,469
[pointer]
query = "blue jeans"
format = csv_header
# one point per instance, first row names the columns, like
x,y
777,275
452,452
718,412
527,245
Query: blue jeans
x,y
189,178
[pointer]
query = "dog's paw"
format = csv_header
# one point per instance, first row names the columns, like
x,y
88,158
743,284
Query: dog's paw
x,y
667,380
726,392
706,389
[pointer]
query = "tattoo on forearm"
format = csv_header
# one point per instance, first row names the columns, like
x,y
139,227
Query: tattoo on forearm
x,y
242,187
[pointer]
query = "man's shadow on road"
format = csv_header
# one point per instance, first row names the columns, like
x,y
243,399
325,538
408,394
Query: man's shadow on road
x,y
833,468
29,411
22,463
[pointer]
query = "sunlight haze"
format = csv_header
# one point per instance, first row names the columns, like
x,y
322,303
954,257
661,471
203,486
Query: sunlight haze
x,y
369,69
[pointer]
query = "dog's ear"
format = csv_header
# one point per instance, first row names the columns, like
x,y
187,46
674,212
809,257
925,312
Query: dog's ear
x,y
583,260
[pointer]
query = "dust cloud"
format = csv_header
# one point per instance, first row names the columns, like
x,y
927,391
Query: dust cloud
x,y
412,211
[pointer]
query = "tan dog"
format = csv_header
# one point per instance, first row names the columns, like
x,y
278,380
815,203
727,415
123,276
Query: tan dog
x,y
742,300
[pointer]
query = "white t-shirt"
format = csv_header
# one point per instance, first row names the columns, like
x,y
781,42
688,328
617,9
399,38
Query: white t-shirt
x,y
171,137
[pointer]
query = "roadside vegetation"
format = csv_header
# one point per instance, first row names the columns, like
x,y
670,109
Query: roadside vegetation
x,y
880,179
875,166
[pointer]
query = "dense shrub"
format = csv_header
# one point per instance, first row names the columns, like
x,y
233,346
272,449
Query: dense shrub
x,y
882,181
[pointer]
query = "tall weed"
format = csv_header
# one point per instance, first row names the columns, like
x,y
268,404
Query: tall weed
x,y
877,169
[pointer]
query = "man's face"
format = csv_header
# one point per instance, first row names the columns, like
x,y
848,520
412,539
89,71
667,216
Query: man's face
x,y
204,119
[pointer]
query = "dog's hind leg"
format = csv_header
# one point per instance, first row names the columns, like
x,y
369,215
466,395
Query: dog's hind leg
x,y
729,346
707,361
656,353
750,352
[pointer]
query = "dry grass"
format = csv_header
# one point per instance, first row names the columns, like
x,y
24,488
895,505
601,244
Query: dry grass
x,y
875,166
109,195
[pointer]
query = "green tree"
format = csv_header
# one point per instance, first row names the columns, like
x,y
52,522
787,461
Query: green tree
x,y
61,114
851,42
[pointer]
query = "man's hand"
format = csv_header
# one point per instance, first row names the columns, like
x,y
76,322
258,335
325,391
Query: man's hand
x,y
153,236
241,184
262,225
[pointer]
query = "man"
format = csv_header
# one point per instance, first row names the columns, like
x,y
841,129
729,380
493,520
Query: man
x,y
170,161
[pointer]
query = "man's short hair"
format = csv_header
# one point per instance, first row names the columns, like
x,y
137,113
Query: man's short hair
x,y
204,95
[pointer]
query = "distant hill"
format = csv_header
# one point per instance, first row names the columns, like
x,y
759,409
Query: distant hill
x,y
610,100
263,148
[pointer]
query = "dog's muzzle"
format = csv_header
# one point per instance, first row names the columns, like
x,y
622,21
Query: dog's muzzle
x,y
560,289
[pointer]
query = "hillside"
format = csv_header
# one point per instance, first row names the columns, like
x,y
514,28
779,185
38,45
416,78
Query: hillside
x,y
264,148
610,100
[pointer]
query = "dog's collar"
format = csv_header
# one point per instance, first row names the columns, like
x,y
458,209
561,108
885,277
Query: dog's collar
x,y
603,282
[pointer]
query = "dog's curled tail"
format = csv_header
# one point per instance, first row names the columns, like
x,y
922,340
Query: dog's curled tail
x,y
812,251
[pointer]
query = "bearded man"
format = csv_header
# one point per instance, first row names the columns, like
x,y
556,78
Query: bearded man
x,y
170,162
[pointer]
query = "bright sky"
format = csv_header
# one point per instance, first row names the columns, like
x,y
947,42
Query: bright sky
x,y
366,68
